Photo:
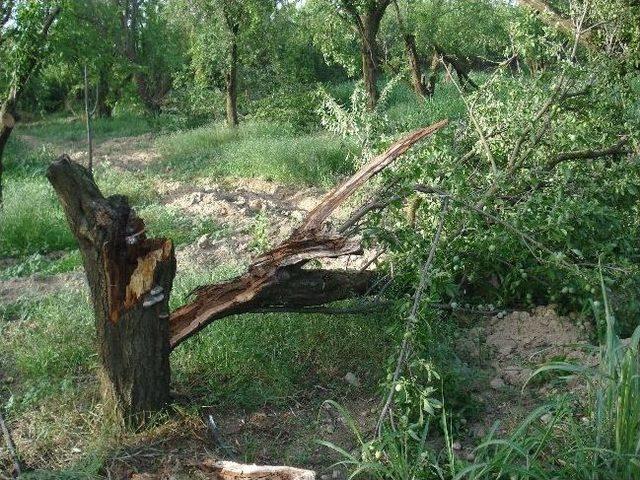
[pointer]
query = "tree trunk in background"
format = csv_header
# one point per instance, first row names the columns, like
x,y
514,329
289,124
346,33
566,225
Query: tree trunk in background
x,y
232,84
8,122
130,278
369,53
103,110
433,73
417,81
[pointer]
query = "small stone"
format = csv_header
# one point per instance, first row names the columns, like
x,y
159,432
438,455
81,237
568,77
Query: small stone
x,y
197,198
506,350
204,242
478,431
497,383
326,476
352,380
297,215
456,446
240,201
469,456
546,418
256,205
76,450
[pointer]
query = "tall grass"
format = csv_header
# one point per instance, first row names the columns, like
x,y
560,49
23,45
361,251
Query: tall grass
x,y
255,149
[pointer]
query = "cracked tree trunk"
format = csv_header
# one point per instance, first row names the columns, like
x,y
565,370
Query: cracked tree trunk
x,y
130,277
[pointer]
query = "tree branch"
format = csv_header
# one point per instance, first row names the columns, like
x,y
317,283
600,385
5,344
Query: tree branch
x,y
277,279
616,149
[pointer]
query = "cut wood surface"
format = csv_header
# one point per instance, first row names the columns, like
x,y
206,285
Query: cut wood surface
x,y
277,279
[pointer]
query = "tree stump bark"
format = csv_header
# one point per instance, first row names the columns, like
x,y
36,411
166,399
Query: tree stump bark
x,y
130,277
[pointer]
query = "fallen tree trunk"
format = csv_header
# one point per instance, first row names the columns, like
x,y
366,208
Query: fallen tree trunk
x,y
130,277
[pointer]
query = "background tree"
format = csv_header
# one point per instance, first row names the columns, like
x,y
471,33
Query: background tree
x,y
224,36
24,38
364,18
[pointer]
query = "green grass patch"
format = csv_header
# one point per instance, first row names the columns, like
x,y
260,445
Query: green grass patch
x,y
32,220
47,344
42,265
251,360
268,151
72,129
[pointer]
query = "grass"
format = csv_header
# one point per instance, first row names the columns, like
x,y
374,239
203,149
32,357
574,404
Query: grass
x,y
256,149
68,129
32,223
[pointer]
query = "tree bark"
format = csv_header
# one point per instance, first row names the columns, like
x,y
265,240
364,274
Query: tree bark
x,y
419,86
8,123
277,278
369,54
417,81
130,278
104,110
232,84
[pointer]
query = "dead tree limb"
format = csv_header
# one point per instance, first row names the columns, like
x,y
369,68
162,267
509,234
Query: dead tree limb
x,y
277,279
224,470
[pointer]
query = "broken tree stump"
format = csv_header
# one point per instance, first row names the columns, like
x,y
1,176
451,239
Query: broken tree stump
x,y
130,278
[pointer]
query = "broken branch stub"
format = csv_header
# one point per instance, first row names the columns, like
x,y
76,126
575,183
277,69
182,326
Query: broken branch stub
x,y
130,278
276,278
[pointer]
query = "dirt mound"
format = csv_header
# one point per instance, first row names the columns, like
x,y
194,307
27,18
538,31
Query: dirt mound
x,y
522,340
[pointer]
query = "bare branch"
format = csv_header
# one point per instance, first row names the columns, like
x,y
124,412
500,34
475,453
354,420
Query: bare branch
x,y
616,149
413,318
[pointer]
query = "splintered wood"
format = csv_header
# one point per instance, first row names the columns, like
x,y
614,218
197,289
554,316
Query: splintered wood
x,y
277,279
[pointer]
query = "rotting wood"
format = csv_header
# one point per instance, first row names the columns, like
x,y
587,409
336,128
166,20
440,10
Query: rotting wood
x,y
130,278
225,470
277,278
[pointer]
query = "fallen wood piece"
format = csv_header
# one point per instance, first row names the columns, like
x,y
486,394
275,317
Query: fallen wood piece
x,y
225,470
277,279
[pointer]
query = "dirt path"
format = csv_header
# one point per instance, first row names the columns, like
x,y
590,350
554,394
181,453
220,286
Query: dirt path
x,y
255,214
